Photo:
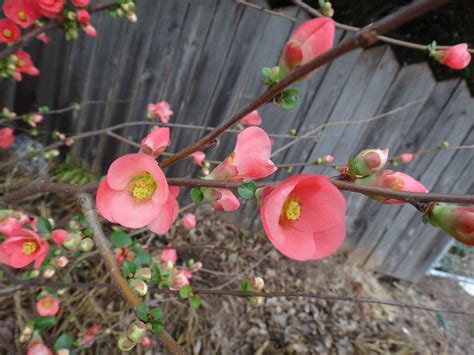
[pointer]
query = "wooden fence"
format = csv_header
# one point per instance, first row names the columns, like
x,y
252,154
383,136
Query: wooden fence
x,y
205,57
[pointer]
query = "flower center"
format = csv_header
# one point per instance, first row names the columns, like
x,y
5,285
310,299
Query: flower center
x,y
142,187
29,248
47,303
291,209
7,33
22,16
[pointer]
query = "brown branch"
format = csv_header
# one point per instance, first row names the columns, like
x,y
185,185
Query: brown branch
x,y
363,38
103,245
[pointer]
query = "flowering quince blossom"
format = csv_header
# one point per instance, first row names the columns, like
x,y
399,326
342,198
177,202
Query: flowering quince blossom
x,y
457,221
25,65
58,236
369,161
48,306
221,199
456,57
168,255
135,194
328,158
8,225
38,348
252,119
189,220
393,180
22,248
80,3
406,158
311,39
43,37
9,32
21,12
48,8
179,280
6,137
303,216
198,157
156,142
160,110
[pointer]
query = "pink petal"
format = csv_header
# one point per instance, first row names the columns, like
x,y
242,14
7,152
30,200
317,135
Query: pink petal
x,y
129,213
167,215
329,241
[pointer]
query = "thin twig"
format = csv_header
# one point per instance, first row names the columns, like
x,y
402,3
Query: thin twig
x,y
264,9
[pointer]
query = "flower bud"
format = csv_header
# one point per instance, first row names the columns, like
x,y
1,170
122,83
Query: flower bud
x,y
256,283
48,272
455,57
458,221
139,286
125,344
443,145
132,17
136,331
86,245
143,273
61,262
406,158
146,341
155,142
34,274
368,161
256,301
72,241
63,352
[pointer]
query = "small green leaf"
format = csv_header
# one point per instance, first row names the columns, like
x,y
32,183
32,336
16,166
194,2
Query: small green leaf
x,y
44,322
244,286
120,239
155,274
266,71
142,312
195,301
128,268
43,225
246,193
196,195
185,291
65,341
142,257
156,326
156,313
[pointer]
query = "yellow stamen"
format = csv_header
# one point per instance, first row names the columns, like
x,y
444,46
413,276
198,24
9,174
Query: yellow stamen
x,y
291,209
22,16
7,33
142,187
29,248
47,304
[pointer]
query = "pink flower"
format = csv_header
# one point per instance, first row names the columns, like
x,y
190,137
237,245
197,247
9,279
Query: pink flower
x,y
9,32
309,40
179,280
252,119
156,142
21,12
34,223
38,348
160,110
8,225
368,161
249,160
24,64
89,337
303,217
457,221
189,220
406,158
83,17
47,306
89,30
49,8
22,248
328,158
168,254
58,236
21,217
6,137
80,3
221,199
393,180
135,194
456,57
198,157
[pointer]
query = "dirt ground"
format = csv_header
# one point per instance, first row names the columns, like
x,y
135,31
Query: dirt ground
x,y
227,325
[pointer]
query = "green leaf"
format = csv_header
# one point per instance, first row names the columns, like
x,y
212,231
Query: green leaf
x,y
244,286
44,322
43,225
156,326
142,257
195,301
128,268
185,291
142,312
266,71
156,313
246,193
120,239
155,274
196,195
65,341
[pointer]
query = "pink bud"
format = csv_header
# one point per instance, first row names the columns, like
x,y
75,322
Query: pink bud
x,y
457,221
61,262
168,254
43,37
68,142
80,3
456,57
37,118
179,280
252,119
38,348
8,225
368,161
328,158
198,157
189,220
146,341
58,236
155,142
83,17
90,30
406,158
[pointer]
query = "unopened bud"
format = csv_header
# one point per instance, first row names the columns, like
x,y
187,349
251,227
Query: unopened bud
x,y
458,221
443,145
86,245
406,158
256,301
28,329
136,331
48,272
368,161
292,132
256,283
34,274
143,273
72,241
63,352
125,344
318,161
139,286
132,17
146,341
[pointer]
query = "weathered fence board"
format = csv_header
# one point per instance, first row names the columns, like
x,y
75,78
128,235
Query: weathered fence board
x,y
204,57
